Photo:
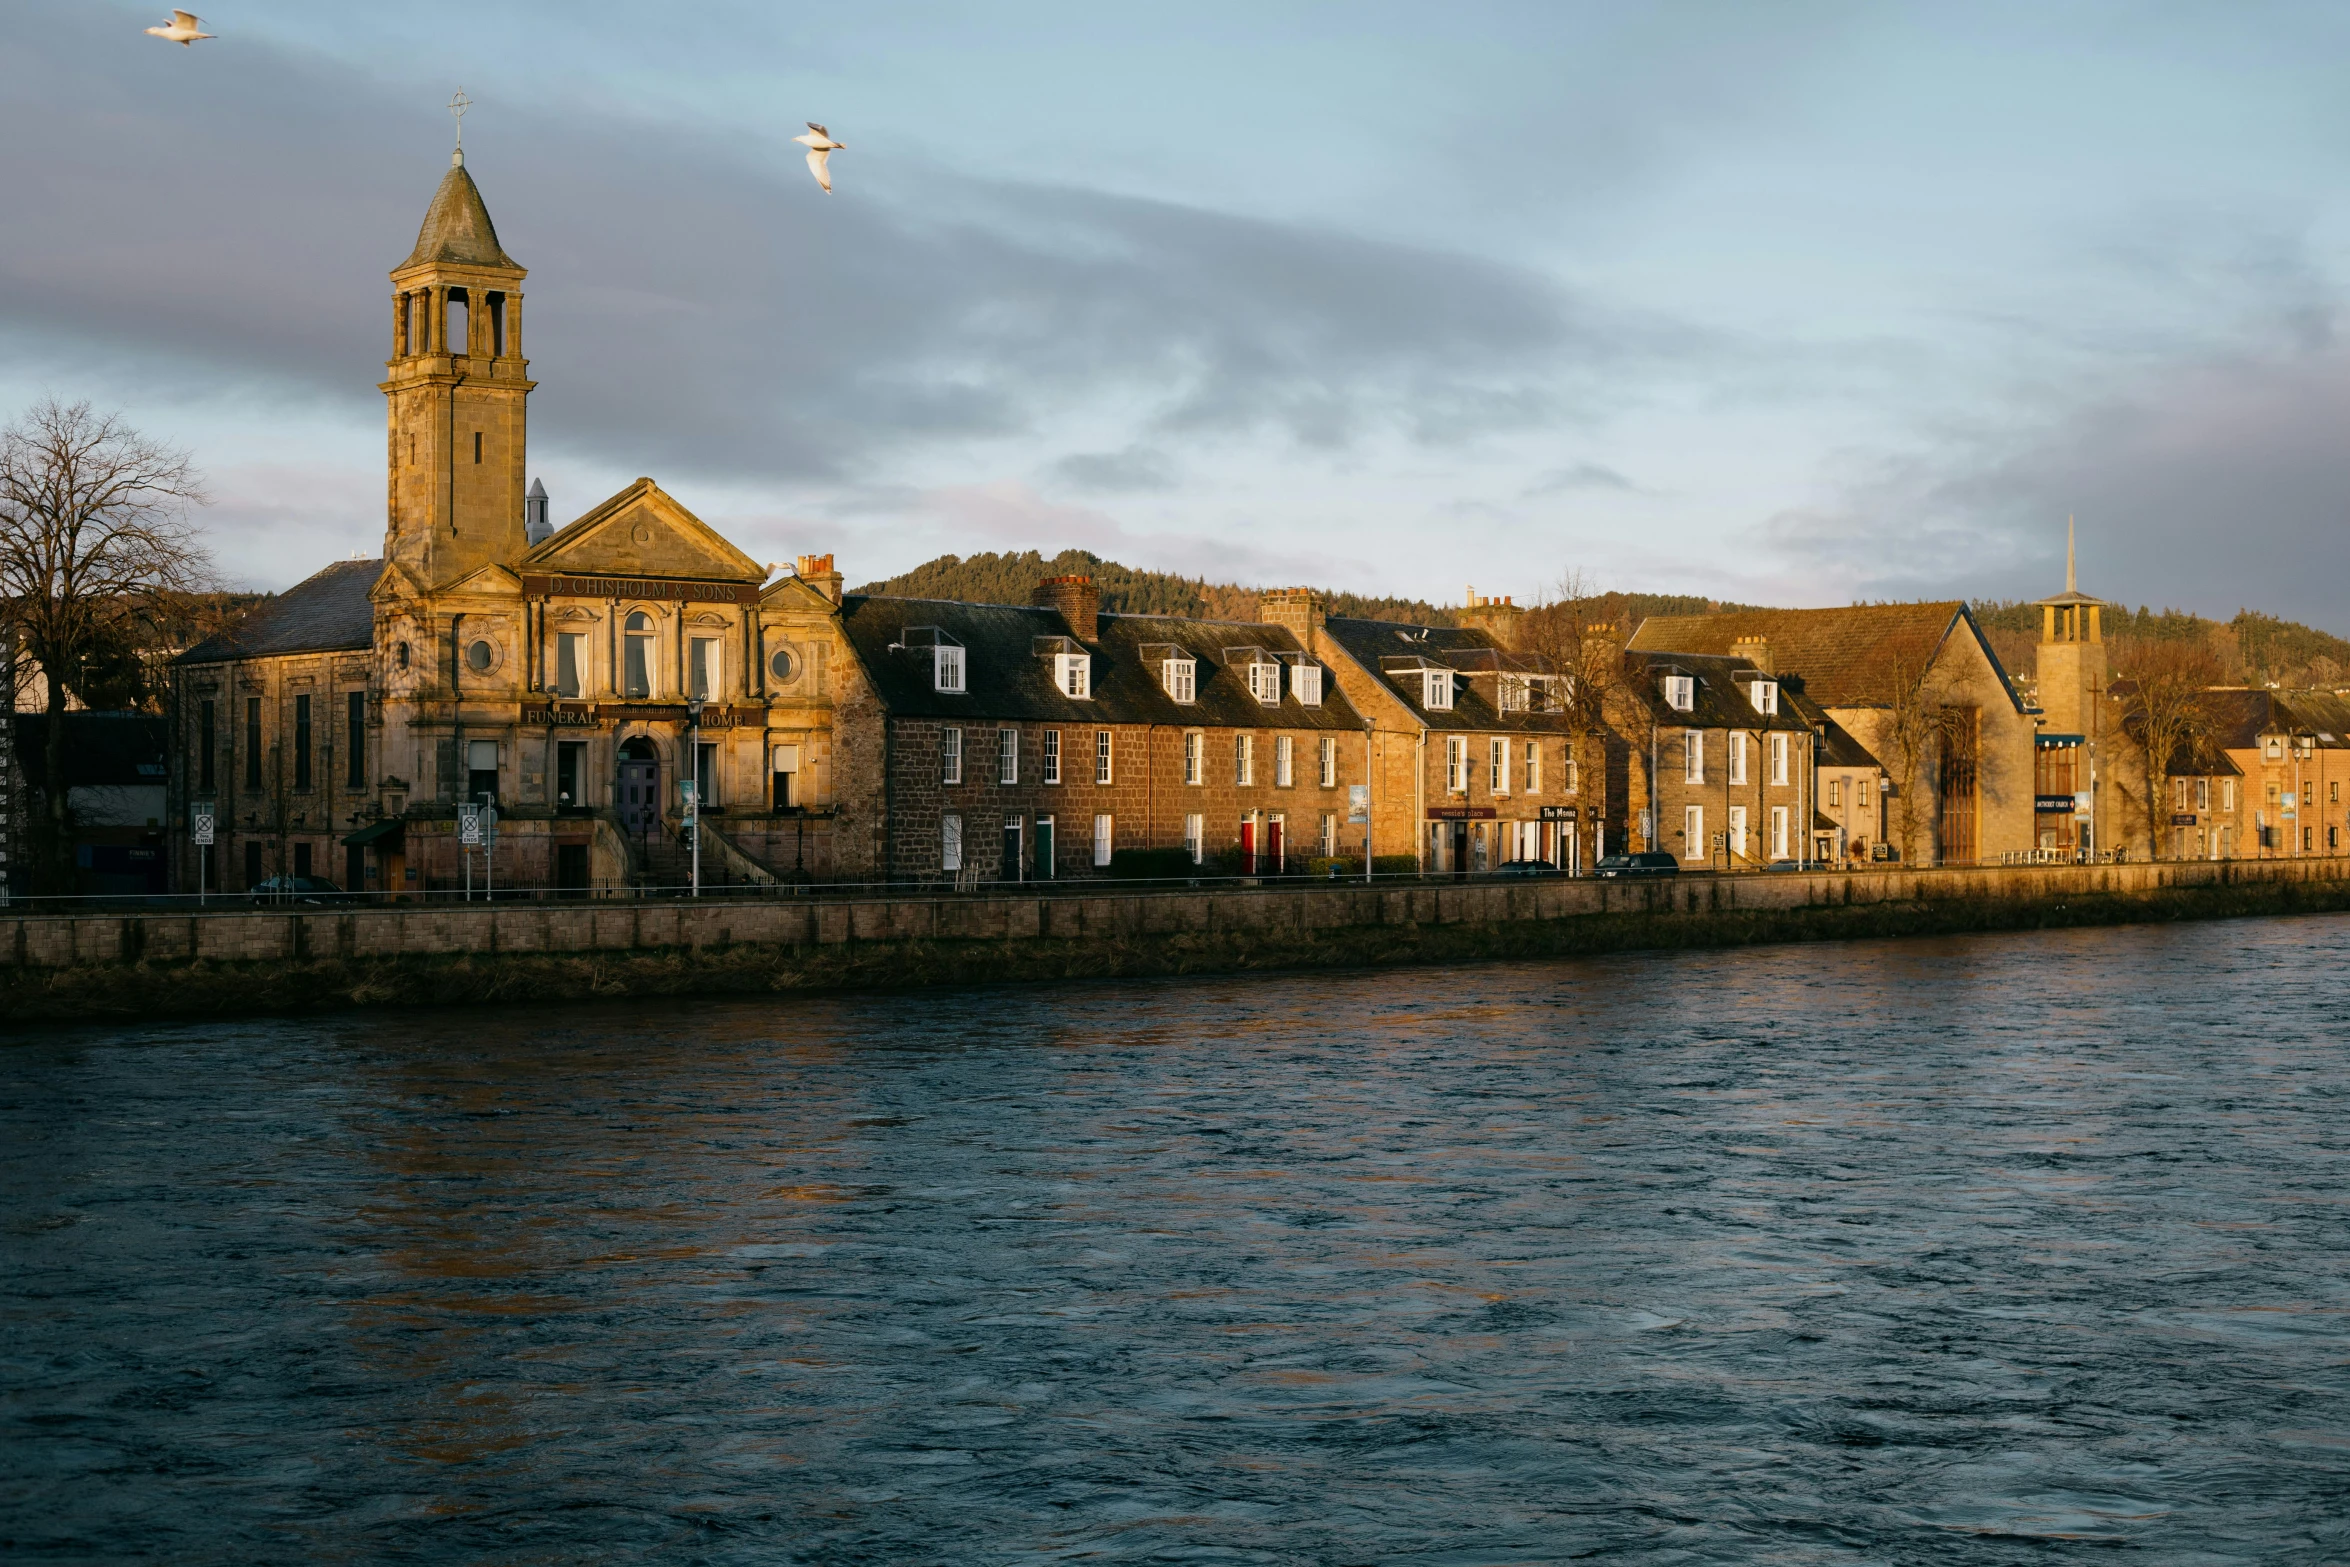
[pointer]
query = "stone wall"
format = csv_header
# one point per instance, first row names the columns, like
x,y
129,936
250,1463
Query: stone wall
x,y
56,942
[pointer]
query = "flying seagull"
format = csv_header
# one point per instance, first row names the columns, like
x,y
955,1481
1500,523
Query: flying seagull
x,y
185,27
820,147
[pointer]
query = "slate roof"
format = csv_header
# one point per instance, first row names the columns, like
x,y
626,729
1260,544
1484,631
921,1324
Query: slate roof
x,y
1720,702
2240,715
457,227
326,613
1007,679
1842,655
1372,643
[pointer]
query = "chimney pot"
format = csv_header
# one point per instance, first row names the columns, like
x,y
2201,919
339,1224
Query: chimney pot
x,y
817,572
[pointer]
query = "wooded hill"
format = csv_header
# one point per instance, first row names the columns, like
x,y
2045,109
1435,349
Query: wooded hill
x,y
1012,579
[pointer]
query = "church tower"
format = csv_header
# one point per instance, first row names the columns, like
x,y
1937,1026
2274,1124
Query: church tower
x,y
457,394
2070,660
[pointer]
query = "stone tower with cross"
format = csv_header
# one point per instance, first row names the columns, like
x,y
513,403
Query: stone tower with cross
x,y
458,392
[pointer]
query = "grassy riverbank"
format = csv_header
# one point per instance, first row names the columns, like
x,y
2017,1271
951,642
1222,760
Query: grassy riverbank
x,y
207,989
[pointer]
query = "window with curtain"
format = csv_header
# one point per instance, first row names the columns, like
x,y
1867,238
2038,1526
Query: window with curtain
x,y
637,670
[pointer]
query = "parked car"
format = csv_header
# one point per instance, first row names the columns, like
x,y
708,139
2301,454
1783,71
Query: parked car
x,y
1784,865
1525,868
299,889
1649,862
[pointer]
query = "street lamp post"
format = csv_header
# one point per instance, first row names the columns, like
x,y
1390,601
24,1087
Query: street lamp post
x,y
693,792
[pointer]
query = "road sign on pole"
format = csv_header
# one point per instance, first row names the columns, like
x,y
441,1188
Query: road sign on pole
x,y
200,829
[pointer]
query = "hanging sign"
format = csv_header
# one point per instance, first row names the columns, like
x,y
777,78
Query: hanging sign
x,y
1358,803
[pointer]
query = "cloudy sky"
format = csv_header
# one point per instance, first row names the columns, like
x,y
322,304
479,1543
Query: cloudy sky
x,y
1791,303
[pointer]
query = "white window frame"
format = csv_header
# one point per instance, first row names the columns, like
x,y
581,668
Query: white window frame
x,y
1264,683
1052,756
1073,675
1104,758
705,667
950,755
1764,694
1181,678
1497,765
1436,690
1456,764
1007,756
1737,832
1778,832
1284,762
1693,833
2227,794
1329,834
2202,794
574,643
1570,772
1533,767
1693,756
1513,693
1306,685
1681,693
950,842
1329,768
1780,748
1195,836
1194,743
1737,756
1244,761
1105,838
948,669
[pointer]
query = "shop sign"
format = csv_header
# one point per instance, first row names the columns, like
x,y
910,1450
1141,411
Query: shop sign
x,y
641,588
1560,813
1461,813
2182,818
2056,804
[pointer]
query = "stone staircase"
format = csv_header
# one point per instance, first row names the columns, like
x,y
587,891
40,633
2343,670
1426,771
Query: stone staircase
x,y
659,861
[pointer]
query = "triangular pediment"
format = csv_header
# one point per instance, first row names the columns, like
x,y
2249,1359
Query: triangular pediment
x,y
642,532
492,579
394,585
789,593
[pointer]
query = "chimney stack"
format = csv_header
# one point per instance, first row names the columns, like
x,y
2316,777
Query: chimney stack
x,y
1497,617
1756,651
816,571
1079,602
1300,611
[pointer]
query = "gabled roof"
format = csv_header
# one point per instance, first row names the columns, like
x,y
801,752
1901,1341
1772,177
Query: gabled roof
x,y
1392,654
1843,655
1720,694
326,613
642,532
457,228
2238,716
1007,680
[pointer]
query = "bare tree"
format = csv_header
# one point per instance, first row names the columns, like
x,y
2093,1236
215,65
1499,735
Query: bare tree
x,y
2165,714
1919,721
1579,634
94,539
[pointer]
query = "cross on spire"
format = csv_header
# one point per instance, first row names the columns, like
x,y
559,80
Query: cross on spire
x,y
458,104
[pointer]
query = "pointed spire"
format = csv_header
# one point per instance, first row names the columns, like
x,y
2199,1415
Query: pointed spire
x,y
2072,583
457,227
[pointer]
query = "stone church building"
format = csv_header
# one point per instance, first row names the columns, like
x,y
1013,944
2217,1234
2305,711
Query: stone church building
x,y
573,676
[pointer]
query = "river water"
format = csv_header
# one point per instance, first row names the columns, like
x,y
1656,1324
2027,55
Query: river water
x,y
2004,1249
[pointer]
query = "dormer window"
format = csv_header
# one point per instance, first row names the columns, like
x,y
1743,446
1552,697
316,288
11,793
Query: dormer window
x,y
1264,683
1436,690
946,669
1515,694
1681,693
1073,674
1181,678
1306,684
1764,694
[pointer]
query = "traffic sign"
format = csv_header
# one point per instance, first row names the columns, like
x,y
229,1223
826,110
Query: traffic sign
x,y
200,825
469,824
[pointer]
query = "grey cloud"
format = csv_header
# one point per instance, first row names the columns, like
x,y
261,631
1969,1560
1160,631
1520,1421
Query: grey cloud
x,y
228,215
1135,468
1580,476
2212,487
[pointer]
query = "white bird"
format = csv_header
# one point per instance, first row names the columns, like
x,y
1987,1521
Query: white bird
x,y
185,27
820,147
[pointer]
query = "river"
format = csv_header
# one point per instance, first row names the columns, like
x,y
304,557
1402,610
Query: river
x,y
1996,1249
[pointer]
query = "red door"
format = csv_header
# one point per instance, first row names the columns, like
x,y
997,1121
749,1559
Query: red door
x,y
1273,847
1248,846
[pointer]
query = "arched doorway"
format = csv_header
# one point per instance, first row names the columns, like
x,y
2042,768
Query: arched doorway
x,y
638,789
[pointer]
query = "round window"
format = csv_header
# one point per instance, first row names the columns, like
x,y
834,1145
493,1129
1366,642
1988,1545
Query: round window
x,y
480,656
786,667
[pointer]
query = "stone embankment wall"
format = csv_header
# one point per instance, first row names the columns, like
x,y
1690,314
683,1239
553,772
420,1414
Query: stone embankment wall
x,y
1264,916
